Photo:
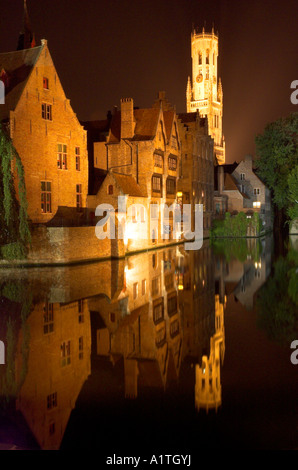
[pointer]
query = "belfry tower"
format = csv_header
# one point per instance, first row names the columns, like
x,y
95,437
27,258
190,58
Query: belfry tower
x,y
204,93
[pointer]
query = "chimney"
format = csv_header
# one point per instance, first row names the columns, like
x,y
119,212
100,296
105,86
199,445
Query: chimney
x,y
248,159
127,118
220,179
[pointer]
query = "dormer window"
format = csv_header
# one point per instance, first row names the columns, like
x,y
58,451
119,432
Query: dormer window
x,y
45,82
110,189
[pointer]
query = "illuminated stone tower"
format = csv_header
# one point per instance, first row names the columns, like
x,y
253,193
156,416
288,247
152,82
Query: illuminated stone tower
x,y
204,92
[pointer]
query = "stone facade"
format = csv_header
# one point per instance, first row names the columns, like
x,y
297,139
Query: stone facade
x,y
204,92
46,133
239,189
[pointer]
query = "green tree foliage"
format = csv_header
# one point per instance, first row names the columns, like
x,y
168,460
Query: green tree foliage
x,y
14,228
277,151
292,209
235,226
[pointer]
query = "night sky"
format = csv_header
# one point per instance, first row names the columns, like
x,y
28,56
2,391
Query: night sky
x,y
106,50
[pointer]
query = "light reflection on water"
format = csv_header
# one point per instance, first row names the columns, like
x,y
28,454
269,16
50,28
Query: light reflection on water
x,y
136,347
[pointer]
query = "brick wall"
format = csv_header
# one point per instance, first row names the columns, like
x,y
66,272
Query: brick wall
x,y
36,140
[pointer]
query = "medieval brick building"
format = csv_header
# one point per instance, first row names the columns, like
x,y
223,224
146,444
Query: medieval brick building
x,y
143,146
46,133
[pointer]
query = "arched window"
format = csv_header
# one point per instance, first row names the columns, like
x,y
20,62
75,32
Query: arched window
x,y
200,58
207,57
110,189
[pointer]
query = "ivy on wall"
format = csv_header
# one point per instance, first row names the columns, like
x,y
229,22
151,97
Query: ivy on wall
x,y
14,227
236,226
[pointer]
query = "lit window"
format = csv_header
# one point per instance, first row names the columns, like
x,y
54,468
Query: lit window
x,y
158,160
78,159
172,163
257,204
46,111
62,157
156,184
46,197
45,82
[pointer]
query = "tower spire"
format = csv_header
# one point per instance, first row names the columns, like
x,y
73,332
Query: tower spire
x,y
26,37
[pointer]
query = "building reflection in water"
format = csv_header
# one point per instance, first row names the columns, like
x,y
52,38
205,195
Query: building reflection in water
x,y
153,313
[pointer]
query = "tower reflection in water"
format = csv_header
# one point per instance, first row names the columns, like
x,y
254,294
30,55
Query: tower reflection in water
x,y
151,313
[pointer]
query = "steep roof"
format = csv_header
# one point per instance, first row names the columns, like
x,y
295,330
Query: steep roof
x,y
231,185
146,123
15,69
128,185
168,119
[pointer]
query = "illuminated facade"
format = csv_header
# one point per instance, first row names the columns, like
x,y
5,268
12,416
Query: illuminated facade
x,y
204,92
137,155
46,133
196,175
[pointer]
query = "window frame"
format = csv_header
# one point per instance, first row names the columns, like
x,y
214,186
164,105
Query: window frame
x,y
46,111
46,194
62,156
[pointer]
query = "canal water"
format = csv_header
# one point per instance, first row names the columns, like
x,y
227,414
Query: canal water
x,y
164,352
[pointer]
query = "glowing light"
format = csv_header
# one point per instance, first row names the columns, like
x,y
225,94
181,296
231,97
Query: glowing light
x,y
180,287
179,194
256,204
